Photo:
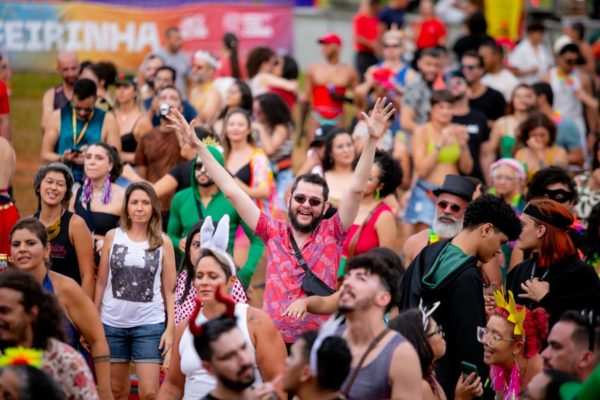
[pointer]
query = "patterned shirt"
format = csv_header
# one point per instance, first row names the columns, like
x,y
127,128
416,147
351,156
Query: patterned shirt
x,y
185,308
417,95
70,372
322,252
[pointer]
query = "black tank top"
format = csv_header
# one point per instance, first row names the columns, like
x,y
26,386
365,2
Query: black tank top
x,y
98,222
245,174
60,100
63,257
128,142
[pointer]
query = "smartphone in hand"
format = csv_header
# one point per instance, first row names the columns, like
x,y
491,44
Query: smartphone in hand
x,y
467,368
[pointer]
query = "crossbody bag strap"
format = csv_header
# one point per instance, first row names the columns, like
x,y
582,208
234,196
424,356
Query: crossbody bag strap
x,y
356,371
298,254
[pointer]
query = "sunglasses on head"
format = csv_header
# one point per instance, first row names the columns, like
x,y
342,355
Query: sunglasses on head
x,y
443,205
559,195
312,201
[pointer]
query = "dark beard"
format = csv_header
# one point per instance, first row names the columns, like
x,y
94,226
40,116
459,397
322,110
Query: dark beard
x,y
304,228
236,386
206,184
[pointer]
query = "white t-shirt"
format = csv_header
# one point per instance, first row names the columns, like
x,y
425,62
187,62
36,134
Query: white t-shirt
x,y
503,81
133,292
198,382
526,57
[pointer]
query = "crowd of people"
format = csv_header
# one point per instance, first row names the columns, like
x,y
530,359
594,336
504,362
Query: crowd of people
x,y
427,220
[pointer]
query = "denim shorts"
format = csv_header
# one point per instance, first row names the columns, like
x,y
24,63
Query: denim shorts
x,y
421,206
137,344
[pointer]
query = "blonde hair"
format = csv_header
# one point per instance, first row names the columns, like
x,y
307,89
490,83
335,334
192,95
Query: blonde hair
x,y
154,229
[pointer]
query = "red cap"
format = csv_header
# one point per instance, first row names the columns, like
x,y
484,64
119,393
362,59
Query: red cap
x,y
383,77
330,38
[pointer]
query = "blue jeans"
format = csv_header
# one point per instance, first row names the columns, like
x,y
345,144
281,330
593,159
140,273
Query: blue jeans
x,y
137,344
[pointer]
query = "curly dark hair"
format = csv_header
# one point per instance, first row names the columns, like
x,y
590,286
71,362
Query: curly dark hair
x,y
49,318
391,172
275,109
549,176
494,210
113,157
537,120
256,58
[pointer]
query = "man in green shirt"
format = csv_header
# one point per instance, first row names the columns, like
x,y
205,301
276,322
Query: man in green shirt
x,y
202,199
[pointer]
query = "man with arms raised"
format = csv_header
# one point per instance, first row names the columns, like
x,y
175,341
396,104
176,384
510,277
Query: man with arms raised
x,y
57,97
318,241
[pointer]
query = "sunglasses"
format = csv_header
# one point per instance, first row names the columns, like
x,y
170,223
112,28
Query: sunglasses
x,y
391,46
469,67
559,195
443,205
571,61
312,201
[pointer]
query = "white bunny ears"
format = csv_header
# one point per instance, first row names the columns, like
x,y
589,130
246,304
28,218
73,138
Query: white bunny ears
x,y
427,312
217,239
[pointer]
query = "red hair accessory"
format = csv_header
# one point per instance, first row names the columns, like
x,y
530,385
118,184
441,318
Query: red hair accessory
x,y
196,329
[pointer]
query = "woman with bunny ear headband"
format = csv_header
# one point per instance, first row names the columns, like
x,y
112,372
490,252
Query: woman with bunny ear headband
x,y
185,292
215,271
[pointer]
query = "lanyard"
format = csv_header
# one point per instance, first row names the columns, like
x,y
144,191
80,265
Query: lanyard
x,y
77,139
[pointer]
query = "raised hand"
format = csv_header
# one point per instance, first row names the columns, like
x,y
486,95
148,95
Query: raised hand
x,y
376,122
184,130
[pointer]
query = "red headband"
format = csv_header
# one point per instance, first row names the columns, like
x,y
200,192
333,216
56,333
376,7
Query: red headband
x,y
229,311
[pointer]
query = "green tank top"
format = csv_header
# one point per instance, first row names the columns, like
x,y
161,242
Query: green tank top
x,y
507,145
447,154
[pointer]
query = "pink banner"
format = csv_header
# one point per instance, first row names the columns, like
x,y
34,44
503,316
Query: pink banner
x,y
32,33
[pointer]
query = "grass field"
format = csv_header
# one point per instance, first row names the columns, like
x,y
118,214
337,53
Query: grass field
x,y
25,114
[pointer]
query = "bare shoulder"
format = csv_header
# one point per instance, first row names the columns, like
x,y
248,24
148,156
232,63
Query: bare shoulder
x,y
64,286
256,316
166,239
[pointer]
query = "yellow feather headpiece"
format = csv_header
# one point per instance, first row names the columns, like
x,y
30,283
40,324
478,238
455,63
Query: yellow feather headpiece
x,y
514,316
210,141
22,356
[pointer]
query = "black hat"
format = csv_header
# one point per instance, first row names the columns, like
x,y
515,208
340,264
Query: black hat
x,y
321,134
458,186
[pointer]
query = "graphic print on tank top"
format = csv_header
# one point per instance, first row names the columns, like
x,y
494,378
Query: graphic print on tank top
x,y
131,283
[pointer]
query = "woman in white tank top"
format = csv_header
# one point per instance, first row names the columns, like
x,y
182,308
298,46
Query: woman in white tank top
x,y
134,292
185,376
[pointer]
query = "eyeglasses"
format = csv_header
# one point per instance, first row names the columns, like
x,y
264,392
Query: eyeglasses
x,y
469,66
483,332
443,205
312,201
392,46
559,195
438,331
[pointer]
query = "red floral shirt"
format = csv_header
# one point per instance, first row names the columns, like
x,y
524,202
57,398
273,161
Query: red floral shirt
x,y
69,370
322,252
